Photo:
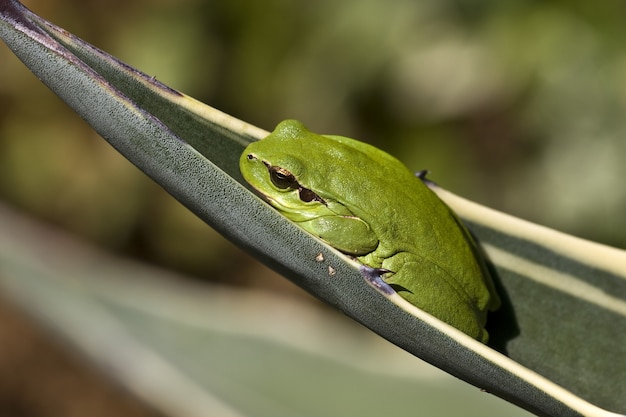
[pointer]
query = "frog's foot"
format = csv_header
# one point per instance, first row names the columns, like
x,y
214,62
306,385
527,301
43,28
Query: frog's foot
x,y
374,277
422,176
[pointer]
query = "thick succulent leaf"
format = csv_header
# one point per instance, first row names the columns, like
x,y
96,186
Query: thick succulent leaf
x,y
555,319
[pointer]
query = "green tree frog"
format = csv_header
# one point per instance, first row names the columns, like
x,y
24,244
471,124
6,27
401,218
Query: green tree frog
x,y
367,204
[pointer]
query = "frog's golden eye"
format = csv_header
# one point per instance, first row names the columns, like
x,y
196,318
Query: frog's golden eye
x,y
282,178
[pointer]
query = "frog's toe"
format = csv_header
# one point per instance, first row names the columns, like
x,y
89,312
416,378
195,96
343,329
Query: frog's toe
x,y
374,277
422,176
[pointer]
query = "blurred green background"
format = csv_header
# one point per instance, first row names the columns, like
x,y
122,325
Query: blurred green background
x,y
518,105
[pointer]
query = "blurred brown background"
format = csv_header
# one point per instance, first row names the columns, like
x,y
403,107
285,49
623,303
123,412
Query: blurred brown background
x,y
518,105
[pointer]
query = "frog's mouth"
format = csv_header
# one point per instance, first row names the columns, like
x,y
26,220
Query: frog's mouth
x,y
298,212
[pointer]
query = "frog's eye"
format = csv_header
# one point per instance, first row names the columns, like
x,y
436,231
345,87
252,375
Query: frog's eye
x,y
282,178
285,180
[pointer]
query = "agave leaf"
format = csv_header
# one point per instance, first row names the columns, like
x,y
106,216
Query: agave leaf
x,y
557,344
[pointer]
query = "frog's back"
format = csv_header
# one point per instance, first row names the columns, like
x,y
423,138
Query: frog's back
x,y
411,218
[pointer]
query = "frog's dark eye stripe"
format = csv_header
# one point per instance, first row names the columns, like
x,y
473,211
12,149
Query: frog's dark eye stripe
x,y
307,196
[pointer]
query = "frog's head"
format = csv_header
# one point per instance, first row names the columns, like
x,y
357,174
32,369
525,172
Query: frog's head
x,y
276,168
286,168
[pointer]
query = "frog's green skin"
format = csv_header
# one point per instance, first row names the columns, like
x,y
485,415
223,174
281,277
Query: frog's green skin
x,y
367,204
